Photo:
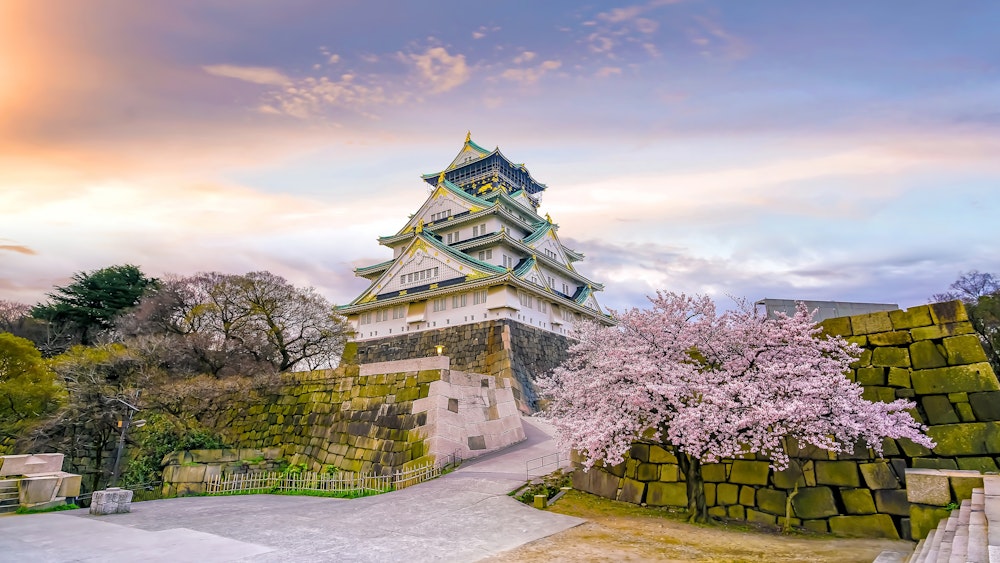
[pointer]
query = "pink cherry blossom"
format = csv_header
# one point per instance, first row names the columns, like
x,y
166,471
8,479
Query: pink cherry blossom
x,y
714,386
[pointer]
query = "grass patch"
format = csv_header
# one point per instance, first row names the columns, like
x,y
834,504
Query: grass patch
x,y
60,508
550,486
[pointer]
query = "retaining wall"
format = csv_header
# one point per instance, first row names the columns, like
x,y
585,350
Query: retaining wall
x,y
929,354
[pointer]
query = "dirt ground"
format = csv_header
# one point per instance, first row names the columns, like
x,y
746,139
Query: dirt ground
x,y
618,531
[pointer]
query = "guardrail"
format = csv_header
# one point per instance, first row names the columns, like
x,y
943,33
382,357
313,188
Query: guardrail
x,y
539,466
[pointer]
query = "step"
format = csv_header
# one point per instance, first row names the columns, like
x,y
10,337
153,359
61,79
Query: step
x,y
928,542
8,509
890,557
915,556
978,550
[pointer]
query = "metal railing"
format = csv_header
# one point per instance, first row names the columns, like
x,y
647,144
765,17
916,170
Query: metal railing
x,y
539,466
342,482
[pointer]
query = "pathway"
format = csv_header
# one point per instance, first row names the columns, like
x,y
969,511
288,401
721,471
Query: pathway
x,y
463,516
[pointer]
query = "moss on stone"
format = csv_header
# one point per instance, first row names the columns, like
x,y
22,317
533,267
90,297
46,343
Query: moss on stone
x,y
879,475
953,379
965,349
923,519
858,501
898,377
894,338
871,376
891,357
814,502
772,501
870,323
837,326
911,318
837,473
942,331
749,472
939,409
873,525
666,494
748,496
727,493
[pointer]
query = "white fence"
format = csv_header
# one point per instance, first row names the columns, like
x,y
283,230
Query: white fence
x,y
342,482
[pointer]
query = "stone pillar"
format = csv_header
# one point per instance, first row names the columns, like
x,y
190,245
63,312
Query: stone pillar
x,y
111,501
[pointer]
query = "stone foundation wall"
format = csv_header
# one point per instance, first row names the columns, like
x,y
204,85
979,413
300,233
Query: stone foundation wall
x,y
929,354
503,348
932,491
376,417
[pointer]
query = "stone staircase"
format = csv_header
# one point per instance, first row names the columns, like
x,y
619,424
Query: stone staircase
x,y
8,496
970,535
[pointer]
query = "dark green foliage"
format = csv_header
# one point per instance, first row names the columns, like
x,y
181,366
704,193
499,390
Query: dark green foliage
x,y
985,316
550,486
29,390
60,508
90,304
156,439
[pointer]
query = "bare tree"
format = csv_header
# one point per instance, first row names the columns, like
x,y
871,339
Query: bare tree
x,y
969,287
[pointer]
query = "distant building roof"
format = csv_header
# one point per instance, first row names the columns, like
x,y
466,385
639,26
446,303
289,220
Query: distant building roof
x,y
824,309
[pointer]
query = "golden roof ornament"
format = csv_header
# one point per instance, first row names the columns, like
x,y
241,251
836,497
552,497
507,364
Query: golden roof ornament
x,y
468,136
548,219
441,179
420,226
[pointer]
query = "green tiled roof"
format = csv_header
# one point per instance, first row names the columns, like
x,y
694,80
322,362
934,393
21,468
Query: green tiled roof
x,y
543,228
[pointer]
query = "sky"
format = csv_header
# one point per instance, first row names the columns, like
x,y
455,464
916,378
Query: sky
x,y
799,150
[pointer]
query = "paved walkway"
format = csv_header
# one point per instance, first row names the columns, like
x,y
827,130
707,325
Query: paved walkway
x,y
463,516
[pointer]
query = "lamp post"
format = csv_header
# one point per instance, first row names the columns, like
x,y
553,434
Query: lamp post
x,y
121,439
439,348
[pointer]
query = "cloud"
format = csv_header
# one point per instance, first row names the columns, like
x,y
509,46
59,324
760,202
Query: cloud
x,y
608,71
440,69
18,248
524,57
530,75
313,96
333,59
715,41
254,74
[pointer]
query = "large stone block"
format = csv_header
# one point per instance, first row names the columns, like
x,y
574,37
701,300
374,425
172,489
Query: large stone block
x,y
837,326
760,518
939,410
871,323
666,494
910,318
891,357
772,501
748,496
632,491
961,487
814,502
28,464
871,376
986,406
966,439
924,354
965,349
942,331
955,379
894,338
923,519
892,501
858,501
747,472
879,475
790,477
713,472
934,463
948,312
69,485
873,525
981,464
598,482
659,455
837,473
727,493
898,377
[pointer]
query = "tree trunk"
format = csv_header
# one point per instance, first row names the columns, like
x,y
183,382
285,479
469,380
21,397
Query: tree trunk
x,y
691,467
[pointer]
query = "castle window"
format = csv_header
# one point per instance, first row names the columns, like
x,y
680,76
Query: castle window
x,y
366,318
452,237
440,304
479,297
566,289
486,254
459,301
508,262
414,277
526,299
441,215
398,312
381,315
543,306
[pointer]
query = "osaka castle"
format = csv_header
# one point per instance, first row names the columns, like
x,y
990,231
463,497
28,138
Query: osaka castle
x,y
476,250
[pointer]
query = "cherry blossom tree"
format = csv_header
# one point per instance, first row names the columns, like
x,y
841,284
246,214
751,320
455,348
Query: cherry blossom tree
x,y
713,386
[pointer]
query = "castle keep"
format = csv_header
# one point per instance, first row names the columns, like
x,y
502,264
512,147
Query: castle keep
x,y
478,275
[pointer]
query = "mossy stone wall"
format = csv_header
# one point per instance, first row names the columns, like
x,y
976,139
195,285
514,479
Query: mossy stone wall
x,y
507,349
929,354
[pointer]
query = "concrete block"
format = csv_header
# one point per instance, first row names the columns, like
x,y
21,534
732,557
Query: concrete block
x,y
814,502
28,464
873,525
927,486
37,490
111,501
69,485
